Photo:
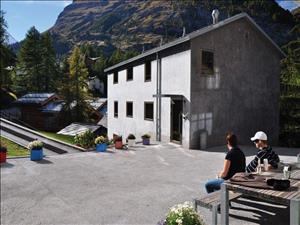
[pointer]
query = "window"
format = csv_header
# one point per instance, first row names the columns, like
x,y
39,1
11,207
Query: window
x,y
130,73
116,109
207,63
148,71
149,111
115,77
129,109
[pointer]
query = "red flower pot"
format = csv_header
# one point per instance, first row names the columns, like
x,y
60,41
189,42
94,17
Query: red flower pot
x,y
118,144
2,157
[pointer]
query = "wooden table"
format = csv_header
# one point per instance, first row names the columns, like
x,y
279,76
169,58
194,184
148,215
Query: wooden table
x,y
289,197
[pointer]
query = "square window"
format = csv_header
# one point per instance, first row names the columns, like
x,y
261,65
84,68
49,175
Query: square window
x,y
129,109
116,109
149,114
148,71
115,77
207,63
130,74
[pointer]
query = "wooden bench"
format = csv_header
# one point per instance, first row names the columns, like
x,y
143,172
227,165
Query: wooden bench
x,y
212,201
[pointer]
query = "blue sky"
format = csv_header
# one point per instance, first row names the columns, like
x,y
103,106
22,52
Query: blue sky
x,y
21,15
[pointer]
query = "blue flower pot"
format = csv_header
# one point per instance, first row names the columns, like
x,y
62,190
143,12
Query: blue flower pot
x,y
146,141
101,147
36,154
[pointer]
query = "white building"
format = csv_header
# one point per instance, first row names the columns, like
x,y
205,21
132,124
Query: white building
x,y
196,88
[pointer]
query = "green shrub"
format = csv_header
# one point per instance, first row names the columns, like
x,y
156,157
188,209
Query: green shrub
x,y
183,214
85,139
131,137
145,136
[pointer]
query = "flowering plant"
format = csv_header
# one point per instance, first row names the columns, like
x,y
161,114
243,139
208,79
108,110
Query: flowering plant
x,y
118,138
101,140
35,145
85,139
3,149
183,214
145,136
131,137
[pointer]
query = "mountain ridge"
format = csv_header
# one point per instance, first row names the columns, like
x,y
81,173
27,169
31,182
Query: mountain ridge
x,y
142,24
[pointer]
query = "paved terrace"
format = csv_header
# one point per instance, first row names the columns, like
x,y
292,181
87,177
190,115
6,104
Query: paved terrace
x,y
136,186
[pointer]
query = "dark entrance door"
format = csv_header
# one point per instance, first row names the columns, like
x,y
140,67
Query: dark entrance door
x,y
176,120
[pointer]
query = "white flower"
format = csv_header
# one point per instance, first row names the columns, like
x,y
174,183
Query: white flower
x,y
179,221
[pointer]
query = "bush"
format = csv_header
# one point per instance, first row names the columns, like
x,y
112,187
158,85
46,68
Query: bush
x,y
146,136
3,149
101,140
131,137
183,214
118,138
85,139
35,145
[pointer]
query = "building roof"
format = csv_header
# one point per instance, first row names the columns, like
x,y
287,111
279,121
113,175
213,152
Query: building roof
x,y
97,103
35,98
53,107
103,121
193,35
77,128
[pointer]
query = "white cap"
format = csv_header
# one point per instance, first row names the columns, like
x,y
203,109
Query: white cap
x,y
259,136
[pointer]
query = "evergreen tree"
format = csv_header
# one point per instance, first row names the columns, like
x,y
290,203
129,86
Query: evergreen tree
x,y
7,57
49,66
30,63
290,93
75,89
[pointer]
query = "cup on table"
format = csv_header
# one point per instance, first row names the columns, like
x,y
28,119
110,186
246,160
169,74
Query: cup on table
x,y
286,172
266,165
258,169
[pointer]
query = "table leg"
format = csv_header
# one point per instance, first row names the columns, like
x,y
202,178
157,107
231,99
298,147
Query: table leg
x,y
224,205
295,212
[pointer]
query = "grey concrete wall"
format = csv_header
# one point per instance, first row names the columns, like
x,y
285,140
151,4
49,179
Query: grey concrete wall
x,y
243,94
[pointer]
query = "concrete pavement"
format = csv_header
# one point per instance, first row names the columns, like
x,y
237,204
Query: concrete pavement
x,y
137,186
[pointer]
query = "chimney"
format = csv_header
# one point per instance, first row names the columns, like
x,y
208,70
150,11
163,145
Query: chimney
x,y
183,31
215,15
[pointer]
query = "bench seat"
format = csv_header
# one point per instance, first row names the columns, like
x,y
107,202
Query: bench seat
x,y
212,201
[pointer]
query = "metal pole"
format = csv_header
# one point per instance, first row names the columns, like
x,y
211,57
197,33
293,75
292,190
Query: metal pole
x,y
158,98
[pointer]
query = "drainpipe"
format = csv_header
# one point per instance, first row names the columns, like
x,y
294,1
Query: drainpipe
x,y
158,97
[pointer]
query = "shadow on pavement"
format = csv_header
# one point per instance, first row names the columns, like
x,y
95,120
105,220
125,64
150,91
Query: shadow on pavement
x,y
44,161
265,214
6,165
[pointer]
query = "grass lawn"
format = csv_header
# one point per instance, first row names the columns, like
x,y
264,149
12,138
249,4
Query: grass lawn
x,y
64,138
13,149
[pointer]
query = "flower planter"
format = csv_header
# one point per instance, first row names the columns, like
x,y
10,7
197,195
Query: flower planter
x,y
131,142
101,147
2,157
118,144
36,154
146,141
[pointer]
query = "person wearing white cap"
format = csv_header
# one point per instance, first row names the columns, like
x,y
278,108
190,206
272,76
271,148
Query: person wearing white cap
x,y
265,151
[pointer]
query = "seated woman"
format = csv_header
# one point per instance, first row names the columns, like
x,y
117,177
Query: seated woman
x,y
235,162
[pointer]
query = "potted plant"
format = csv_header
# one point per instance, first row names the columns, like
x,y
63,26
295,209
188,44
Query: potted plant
x,y
131,140
183,214
85,139
3,151
146,139
118,142
101,144
36,150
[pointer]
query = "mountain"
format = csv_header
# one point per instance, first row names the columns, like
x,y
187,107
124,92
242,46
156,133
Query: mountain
x,y
142,24
296,13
